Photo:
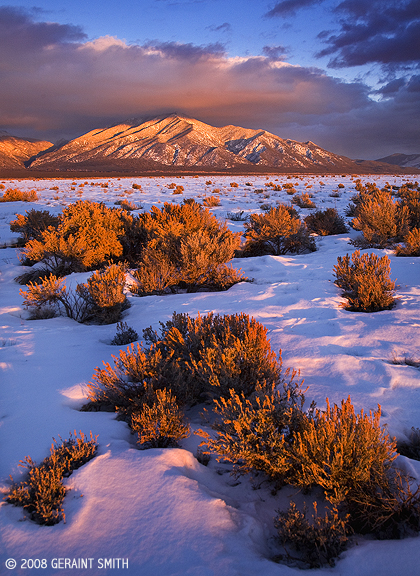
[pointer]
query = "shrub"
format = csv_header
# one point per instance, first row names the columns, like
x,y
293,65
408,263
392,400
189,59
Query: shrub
x,y
184,246
128,205
33,224
386,506
303,200
88,235
43,299
326,222
410,198
202,260
239,216
15,195
155,273
125,335
211,201
365,282
277,232
104,294
411,245
341,451
198,358
42,494
318,541
382,220
160,424
101,299
255,434
288,186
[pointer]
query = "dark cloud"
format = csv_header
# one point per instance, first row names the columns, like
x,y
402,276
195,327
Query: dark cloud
x,y
189,52
225,27
18,31
290,7
379,31
275,52
58,85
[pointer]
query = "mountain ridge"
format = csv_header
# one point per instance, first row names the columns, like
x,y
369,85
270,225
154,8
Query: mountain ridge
x,y
15,151
402,160
176,143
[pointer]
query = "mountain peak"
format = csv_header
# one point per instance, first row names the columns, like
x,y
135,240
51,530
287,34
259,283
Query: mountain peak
x,y
175,142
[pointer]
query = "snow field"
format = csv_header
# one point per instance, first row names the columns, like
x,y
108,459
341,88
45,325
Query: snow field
x,y
161,509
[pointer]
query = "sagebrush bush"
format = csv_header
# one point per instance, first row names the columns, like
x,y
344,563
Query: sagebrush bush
x,y
239,216
386,506
326,222
128,205
348,455
33,224
256,434
43,299
16,195
197,358
43,492
410,197
211,201
277,232
104,294
411,246
101,299
382,220
303,200
184,247
365,282
125,335
178,246
317,541
88,235
341,451
160,423
155,273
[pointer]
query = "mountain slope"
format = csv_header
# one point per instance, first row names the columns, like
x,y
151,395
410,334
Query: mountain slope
x,y
175,142
403,160
14,151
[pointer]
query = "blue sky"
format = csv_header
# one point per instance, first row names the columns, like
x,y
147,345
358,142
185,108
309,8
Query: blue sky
x,y
344,74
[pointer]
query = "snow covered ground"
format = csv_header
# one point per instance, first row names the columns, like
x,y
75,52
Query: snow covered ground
x,y
161,511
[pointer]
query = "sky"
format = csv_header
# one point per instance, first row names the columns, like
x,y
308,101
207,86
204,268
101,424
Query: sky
x,y
343,74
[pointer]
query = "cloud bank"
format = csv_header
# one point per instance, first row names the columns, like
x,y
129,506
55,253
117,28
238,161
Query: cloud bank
x,y
379,31
56,83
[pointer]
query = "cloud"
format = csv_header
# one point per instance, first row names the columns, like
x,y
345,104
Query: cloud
x,y
378,31
225,27
55,84
18,31
275,52
291,7
187,52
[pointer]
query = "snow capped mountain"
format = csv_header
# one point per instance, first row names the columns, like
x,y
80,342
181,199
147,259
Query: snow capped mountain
x,y
403,160
174,142
14,152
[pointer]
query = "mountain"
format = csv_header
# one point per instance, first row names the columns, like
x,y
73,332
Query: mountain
x,y
178,144
175,143
15,152
402,160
